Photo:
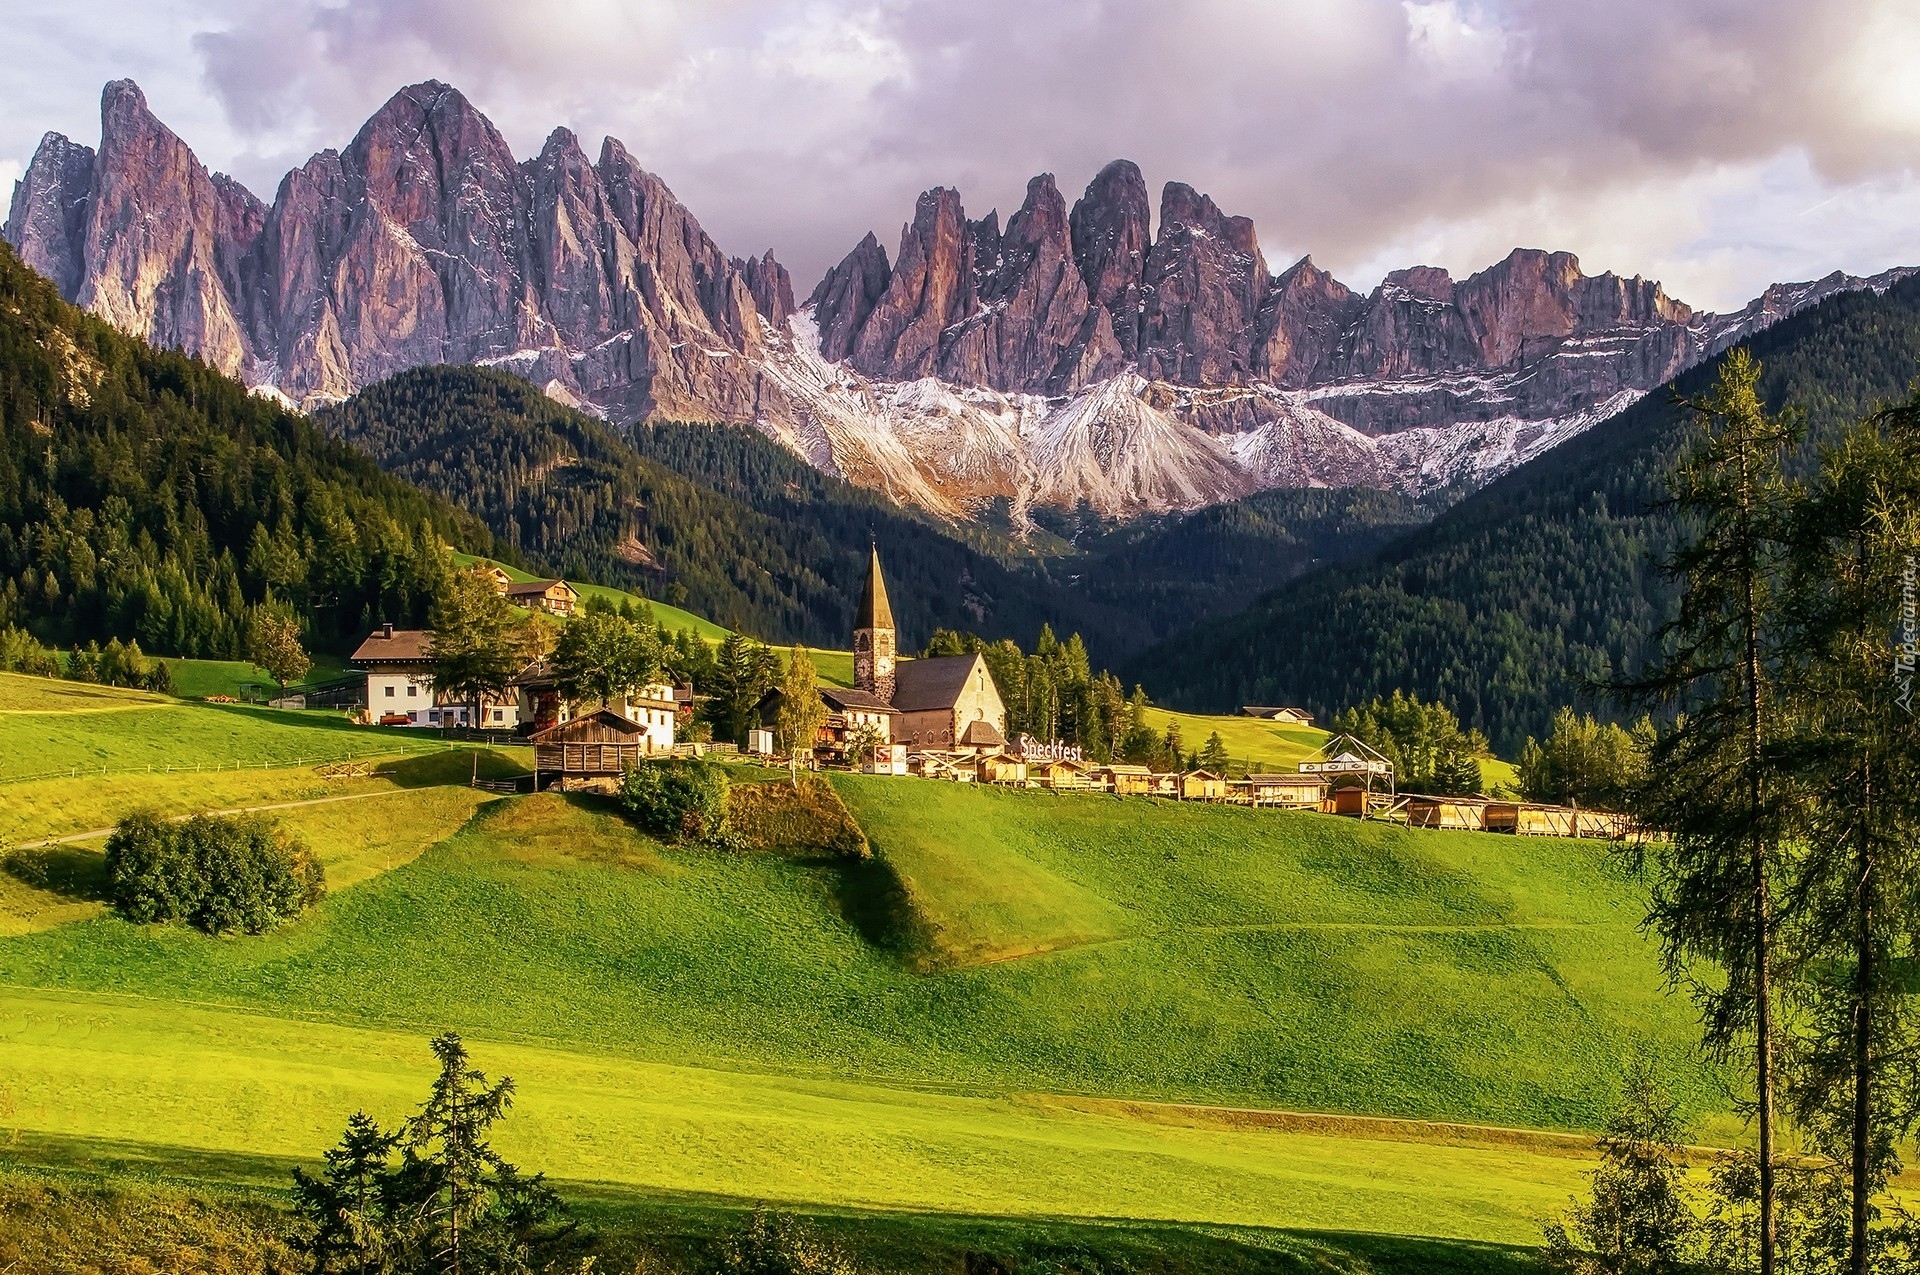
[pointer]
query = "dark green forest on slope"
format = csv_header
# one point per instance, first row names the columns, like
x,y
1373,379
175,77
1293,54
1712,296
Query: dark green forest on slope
x,y
718,519
144,495
727,522
1521,597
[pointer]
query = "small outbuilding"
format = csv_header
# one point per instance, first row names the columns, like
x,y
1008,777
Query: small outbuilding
x,y
1000,768
599,745
1125,781
1469,813
1202,785
1287,791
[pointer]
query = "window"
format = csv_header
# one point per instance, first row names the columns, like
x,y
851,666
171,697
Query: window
x,y
412,690
389,692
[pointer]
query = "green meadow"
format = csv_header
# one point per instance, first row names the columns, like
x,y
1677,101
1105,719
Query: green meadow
x,y
1025,1006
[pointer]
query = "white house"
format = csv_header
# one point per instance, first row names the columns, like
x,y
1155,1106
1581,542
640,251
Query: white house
x,y
399,665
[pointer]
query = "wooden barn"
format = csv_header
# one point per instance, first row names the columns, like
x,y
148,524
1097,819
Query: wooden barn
x,y
1062,775
1286,791
600,745
1539,819
1202,785
1446,812
1002,769
1125,781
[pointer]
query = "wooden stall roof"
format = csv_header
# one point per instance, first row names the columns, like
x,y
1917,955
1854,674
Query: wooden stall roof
x,y
603,726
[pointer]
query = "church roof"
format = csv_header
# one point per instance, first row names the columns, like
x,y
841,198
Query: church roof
x,y
843,698
875,611
933,683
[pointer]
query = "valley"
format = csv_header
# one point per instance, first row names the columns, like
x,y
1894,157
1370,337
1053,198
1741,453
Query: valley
x,y
938,1030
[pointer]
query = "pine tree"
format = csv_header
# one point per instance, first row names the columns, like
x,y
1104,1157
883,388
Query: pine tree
x,y
1715,782
1213,755
349,1206
476,640
1852,625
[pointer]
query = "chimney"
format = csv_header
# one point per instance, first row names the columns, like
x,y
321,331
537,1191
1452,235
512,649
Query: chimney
x,y
386,630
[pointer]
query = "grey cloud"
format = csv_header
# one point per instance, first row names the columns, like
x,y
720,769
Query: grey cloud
x,y
1347,128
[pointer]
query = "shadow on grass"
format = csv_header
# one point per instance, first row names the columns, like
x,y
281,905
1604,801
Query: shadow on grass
x,y
876,903
68,871
627,1227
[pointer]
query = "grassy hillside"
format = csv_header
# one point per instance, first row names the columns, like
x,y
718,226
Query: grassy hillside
x,y
1505,606
45,735
991,1017
1269,956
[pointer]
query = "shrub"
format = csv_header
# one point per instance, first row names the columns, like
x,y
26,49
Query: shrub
x,y
772,1243
21,652
679,798
216,874
808,816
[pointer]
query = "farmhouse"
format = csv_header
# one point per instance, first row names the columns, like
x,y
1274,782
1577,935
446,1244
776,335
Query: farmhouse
x,y
537,699
555,597
497,574
399,667
1285,716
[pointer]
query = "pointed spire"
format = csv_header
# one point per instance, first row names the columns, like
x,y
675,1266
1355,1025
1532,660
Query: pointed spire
x,y
875,611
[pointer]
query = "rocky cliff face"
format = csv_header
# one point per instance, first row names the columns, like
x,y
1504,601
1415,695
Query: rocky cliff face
x,y
1070,356
424,241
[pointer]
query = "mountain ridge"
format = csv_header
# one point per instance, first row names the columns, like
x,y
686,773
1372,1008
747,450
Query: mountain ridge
x,y
1072,356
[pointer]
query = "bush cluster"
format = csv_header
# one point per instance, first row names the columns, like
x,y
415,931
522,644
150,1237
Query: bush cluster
x,y
809,816
216,874
683,798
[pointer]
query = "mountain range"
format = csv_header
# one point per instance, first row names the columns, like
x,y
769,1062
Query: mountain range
x,y
1085,357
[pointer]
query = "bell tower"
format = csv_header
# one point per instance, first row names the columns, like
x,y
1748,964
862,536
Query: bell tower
x,y
873,636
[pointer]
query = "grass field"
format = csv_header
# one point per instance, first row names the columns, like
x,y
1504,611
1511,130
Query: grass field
x,y
1247,738
1275,960
53,726
212,1079
961,1026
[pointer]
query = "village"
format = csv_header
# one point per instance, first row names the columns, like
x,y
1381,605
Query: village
x,y
935,718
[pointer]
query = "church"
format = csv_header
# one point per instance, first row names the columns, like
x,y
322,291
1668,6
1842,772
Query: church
x,y
945,702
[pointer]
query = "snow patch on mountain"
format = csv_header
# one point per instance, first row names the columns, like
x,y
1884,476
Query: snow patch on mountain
x,y
1123,446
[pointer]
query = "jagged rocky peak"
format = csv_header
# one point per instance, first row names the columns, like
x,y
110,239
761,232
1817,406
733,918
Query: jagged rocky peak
x,y
1111,232
422,241
843,299
1205,283
931,290
47,220
770,285
1298,332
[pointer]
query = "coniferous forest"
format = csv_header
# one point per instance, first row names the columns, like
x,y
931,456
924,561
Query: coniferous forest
x,y
145,496
1535,592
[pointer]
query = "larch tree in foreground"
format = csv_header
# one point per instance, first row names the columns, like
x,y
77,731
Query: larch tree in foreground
x,y
1716,782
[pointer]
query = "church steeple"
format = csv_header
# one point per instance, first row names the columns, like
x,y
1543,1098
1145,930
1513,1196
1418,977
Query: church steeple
x,y
873,635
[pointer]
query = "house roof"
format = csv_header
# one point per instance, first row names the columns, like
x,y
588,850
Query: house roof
x,y
412,646
537,588
1288,780
982,735
842,699
875,611
1261,710
925,685
604,717
1118,769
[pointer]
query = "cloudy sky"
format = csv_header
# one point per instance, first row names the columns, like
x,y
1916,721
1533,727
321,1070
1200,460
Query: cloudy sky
x,y
1715,144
